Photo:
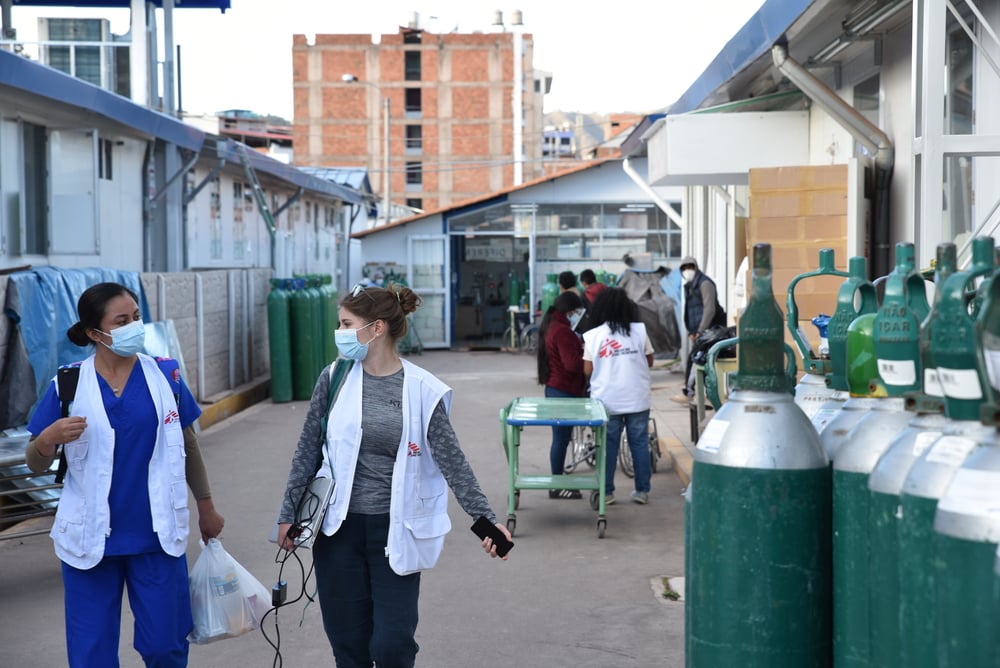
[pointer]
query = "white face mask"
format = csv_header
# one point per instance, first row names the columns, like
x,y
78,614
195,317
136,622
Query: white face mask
x,y
574,317
688,275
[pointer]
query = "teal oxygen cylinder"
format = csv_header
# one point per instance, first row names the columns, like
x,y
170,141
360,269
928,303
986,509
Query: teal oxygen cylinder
x,y
953,353
317,302
967,521
303,342
330,319
895,343
549,291
279,341
885,484
855,297
812,390
758,558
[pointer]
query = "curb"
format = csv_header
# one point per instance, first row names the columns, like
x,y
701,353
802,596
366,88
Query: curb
x,y
682,459
239,399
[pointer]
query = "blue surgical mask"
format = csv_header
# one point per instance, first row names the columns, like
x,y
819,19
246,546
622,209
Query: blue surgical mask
x,y
348,345
127,340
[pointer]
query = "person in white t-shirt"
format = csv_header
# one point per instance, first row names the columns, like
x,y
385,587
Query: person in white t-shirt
x,y
617,356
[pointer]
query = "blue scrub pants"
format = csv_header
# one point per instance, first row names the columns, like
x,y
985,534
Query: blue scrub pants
x,y
160,600
369,612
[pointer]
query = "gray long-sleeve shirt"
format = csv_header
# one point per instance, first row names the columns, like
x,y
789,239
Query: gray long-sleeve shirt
x,y
382,427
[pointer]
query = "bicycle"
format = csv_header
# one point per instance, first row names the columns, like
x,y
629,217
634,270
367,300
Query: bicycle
x,y
582,450
625,462
521,336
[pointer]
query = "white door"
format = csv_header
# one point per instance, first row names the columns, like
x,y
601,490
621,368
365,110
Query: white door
x,y
428,269
73,188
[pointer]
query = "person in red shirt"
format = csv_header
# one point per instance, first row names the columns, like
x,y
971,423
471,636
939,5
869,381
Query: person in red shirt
x,y
560,370
591,287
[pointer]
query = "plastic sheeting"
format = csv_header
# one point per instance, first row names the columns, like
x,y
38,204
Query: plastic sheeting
x,y
656,310
40,306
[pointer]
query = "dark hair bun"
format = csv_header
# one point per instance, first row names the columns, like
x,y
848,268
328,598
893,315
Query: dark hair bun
x,y
77,334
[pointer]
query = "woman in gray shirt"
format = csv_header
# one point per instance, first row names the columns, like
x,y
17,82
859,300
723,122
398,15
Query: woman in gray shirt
x,y
393,453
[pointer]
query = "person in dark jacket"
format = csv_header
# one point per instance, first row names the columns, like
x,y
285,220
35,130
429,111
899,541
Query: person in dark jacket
x,y
560,370
701,312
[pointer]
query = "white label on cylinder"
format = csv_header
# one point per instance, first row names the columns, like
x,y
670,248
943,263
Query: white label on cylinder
x,y
932,384
897,372
960,383
923,441
711,438
841,395
973,492
950,450
993,367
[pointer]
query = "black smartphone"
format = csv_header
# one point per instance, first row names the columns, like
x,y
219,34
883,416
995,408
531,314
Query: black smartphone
x,y
484,528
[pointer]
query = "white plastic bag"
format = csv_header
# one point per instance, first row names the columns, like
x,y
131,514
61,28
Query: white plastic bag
x,y
226,600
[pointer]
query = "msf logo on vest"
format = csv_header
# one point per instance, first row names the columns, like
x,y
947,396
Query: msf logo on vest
x,y
413,450
609,348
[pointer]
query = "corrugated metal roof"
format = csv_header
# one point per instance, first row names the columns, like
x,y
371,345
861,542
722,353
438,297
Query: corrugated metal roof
x,y
28,76
353,177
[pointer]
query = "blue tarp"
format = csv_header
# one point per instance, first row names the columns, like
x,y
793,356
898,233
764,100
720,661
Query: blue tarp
x,y
41,304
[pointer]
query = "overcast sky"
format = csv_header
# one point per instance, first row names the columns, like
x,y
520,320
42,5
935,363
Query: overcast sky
x,y
630,55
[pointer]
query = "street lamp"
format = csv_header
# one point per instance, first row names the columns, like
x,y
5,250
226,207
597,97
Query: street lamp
x,y
386,183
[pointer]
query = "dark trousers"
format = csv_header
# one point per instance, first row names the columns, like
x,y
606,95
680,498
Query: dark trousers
x,y
369,612
560,437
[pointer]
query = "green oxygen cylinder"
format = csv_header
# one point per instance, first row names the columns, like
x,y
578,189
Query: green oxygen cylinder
x,y
318,305
330,320
758,562
967,520
549,291
855,297
812,390
514,290
953,353
279,341
889,339
303,342
885,484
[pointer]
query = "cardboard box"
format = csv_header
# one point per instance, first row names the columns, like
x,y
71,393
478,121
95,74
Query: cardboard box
x,y
818,177
796,203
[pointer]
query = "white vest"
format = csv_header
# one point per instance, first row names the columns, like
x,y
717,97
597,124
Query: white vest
x,y
83,519
418,505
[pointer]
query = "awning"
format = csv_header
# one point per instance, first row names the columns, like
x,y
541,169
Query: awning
x,y
720,149
222,5
50,84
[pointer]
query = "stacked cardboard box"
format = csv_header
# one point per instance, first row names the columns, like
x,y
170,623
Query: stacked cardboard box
x,y
799,211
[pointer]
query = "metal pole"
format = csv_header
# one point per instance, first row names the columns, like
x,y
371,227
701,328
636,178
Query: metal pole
x,y
387,186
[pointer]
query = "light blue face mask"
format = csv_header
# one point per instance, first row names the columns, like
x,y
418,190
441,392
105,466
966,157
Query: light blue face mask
x,y
348,345
126,340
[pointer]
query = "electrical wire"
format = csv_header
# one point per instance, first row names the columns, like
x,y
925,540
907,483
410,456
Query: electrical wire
x,y
307,508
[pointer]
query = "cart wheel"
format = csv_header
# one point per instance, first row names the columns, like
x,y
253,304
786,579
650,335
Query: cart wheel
x,y
595,500
601,525
511,523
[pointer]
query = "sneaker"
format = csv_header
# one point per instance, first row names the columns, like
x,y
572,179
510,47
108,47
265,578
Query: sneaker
x,y
609,499
681,399
640,497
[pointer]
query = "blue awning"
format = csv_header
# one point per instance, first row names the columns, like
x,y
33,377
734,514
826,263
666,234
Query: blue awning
x,y
28,76
752,41
222,5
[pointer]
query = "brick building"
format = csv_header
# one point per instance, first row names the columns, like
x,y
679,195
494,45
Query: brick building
x,y
453,130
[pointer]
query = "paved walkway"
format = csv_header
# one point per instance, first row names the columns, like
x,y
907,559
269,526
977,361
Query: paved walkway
x,y
565,597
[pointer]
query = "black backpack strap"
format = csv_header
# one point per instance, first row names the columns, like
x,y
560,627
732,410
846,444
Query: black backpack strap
x,y
66,381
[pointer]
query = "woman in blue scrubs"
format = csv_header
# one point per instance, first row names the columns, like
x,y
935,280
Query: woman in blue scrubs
x,y
122,521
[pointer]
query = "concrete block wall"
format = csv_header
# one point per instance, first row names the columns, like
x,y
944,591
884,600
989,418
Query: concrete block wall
x,y
226,346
